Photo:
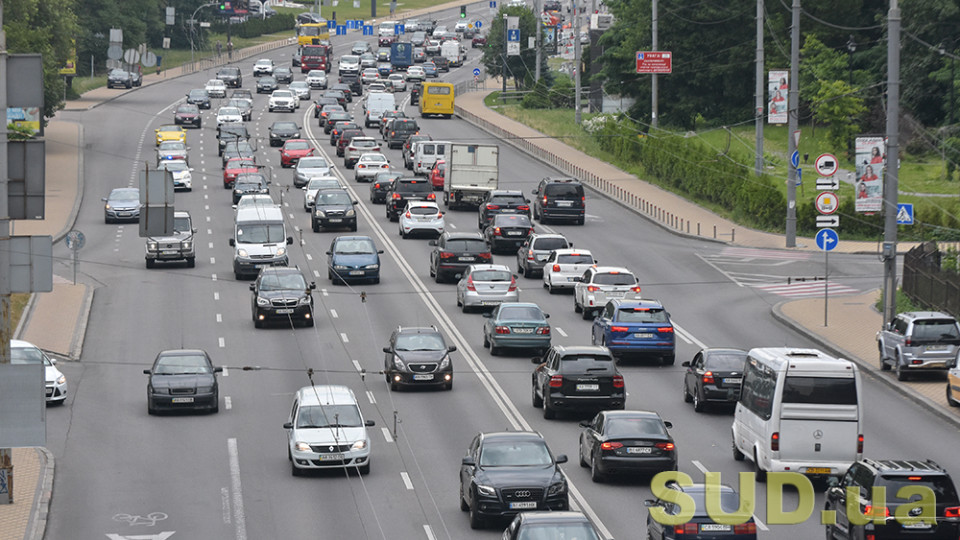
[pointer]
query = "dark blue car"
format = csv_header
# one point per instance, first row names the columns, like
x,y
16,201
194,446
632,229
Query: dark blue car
x,y
629,326
701,526
353,258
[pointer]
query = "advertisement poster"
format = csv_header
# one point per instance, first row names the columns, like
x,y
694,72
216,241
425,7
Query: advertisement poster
x,y
777,88
549,39
27,117
868,185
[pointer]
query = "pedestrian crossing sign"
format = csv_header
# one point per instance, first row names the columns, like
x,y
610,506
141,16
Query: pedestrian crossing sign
x,y
904,214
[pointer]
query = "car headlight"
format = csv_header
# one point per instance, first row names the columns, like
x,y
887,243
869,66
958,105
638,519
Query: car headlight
x,y
281,252
204,389
151,246
242,252
320,213
487,491
398,363
302,447
445,363
359,445
339,267
558,488
61,380
238,191
262,301
107,206
296,135
306,300
187,245
351,213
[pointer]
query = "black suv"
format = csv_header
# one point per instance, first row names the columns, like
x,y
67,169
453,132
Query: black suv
x,y
576,378
400,130
507,232
559,199
228,133
454,252
230,75
249,184
405,190
353,81
509,472
925,520
281,132
333,208
281,293
501,201
418,356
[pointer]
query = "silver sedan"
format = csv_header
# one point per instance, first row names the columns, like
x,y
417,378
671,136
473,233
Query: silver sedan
x,y
486,286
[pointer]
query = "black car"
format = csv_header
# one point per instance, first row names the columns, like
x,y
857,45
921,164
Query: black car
x,y
400,130
337,128
333,208
545,525
281,293
241,94
230,75
281,132
309,18
381,185
922,520
283,74
353,81
199,98
321,102
418,356
407,189
415,91
442,63
559,199
238,148
454,252
266,85
250,184
714,376
506,473
576,378
501,201
119,78
338,95
182,379
187,114
333,118
506,232
230,133
345,88
624,442
701,525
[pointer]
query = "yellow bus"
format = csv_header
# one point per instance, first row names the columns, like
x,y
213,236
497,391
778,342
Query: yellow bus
x,y
436,98
312,33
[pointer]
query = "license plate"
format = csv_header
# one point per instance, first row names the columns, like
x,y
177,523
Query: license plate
x,y
542,257
491,302
916,525
818,470
564,203
523,330
170,252
183,400
331,457
571,279
123,214
713,527
937,347
640,450
356,272
523,505
423,376
643,335
334,220
732,381
588,387
284,311
514,233
464,259
509,211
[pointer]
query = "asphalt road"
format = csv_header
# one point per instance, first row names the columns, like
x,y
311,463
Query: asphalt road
x,y
121,472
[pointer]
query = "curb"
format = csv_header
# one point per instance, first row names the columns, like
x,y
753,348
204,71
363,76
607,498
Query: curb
x,y
41,502
865,367
25,316
80,331
72,218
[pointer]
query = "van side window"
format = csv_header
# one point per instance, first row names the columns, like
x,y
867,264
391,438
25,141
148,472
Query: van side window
x,y
759,386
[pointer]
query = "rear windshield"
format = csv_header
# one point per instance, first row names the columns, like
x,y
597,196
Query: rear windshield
x,y
642,315
414,187
941,485
491,275
423,210
512,221
575,259
582,363
935,329
726,362
507,199
563,190
615,279
549,244
521,313
537,531
820,390
618,428
466,245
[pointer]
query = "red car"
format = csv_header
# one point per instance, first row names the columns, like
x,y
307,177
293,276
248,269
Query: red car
x,y
436,174
478,41
237,166
293,150
385,41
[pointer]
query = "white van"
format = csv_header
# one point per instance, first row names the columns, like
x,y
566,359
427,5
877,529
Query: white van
x,y
375,105
428,152
453,52
386,28
800,410
259,239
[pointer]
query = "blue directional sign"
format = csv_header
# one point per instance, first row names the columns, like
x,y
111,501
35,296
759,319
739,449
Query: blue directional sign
x,y
904,214
827,239
368,29
331,24
799,176
341,29
351,25
478,24
493,4
399,29
513,34
476,72
795,159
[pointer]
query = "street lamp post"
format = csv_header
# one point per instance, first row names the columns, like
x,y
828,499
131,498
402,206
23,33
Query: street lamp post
x,y
193,22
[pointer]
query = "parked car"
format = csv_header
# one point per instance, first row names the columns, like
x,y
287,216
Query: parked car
x,y
182,379
919,341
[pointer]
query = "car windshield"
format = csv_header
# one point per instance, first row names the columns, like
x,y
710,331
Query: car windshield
x,y
267,80
232,131
642,315
174,166
575,258
355,247
283,94
491,275
296,145
373,158
349,59
550,531
420,342
192,109
181,224
238,103
284,126
625,428
181,365
466,245
280,282
260,233
125,195
515,454
729,502
725,361
935,329
28,355
512,221
229,111
168,127
322,183
317,73
614,279
329,416
299,85
197,94
521,313
312,163
340,198
171,145
247,184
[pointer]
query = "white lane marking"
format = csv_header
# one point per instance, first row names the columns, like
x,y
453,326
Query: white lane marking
x,y
371,397
291,216
206,196
219,317
333,313
316,273
239,515
451,225
227,403
213,277
206,207
210,245
356,364
324,291
213,260
690,338
406,480
429,531
226,372
560,331
344,338
699,466
208,219
225,502
221,342
386,434
209,231
216,296
717,268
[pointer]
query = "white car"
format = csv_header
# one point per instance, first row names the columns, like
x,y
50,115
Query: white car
x,y
370,75
22,352
326,430
317,78
255,199
216,88
377,87
421,216
301,89
416,73
369,164
229,115
264,66
349,63
282,100
181,172
563,266
310,167
461,26
398,82
600,284
316,184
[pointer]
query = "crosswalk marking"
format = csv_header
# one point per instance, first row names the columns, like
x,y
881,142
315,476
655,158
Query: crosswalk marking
x,y
755,253
805,289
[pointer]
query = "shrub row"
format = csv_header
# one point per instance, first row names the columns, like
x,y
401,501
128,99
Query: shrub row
x,y
256,27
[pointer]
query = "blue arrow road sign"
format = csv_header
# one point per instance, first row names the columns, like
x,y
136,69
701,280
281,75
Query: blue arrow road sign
x,y
799,176
476,72
513,34
341,29
332,24
904,214
493,4
795,158
351,25
399,29
478,24
368,29
827,239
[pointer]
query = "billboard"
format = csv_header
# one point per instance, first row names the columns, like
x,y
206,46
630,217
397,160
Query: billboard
x,y
777,89
870,156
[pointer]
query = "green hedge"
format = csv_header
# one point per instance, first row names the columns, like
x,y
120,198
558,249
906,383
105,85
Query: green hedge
x,y
257,27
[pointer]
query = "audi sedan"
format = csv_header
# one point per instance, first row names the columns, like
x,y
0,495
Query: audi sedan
x,y
182,379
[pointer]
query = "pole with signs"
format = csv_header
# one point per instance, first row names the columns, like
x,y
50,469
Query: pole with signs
x,y
827,203
75,241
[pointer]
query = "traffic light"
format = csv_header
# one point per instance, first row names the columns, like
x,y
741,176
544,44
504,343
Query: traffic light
x,y
463,12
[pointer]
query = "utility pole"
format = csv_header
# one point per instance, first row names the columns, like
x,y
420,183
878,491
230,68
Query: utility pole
x,y
576,62
6,454
654,89
538,29
890,182
792,121
503,62
758,102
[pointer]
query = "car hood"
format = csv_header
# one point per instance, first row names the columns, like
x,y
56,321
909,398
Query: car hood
x,y
289,294
166,382
341,208
51,374
518,476
355,260
331,436
178,236
261,249
421,356
313,171
285,132
123,205
171,152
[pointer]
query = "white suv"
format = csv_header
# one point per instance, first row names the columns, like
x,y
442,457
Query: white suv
x,y
599,285
283,100
357,147
264,66
326,430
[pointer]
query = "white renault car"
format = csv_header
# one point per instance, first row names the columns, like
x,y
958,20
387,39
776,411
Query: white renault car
x,y
229,115
326,430
283,100
421,217
564,266
216,88
22,352
264,66
369,165
181,172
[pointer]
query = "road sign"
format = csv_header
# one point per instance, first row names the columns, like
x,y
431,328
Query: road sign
x,y
826,164
795,159
478,25
513,48
476,72
513,34
904,214
341,29
827,239
654,62
796,138
368,29
828,202
493,4
114,52
829,183
131,56
149,59
828,221
399,29
799,176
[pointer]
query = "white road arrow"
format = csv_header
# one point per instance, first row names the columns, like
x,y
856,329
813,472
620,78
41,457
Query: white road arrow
x,y
161,536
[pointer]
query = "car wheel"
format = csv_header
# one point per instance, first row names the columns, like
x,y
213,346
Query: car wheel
x,y
586,314
595,473
521,271
583,462
150,410
548,412
669,360
476,522
950,401
257,323
537,400
315,226
829,532
580,221
486,345
353,228
364,469
191,262
150,263
549,287
697,403
884,366
216,405
400,231
448,386
737,454
438,277
902,374
761,474
494,350
576,307
687,398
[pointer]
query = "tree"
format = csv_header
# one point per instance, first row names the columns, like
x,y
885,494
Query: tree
x,y
520,68
838,106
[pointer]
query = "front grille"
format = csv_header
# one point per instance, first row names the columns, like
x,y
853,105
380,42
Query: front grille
x,y
331,463
330,448
268,256
423,368
522,494
182,391
170,246
284,303
334,213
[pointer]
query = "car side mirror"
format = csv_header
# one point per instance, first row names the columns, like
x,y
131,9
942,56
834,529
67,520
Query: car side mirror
x,y
536,360
232,242
487,315
313,285
380,252
832,482
668,424
650,503
546,315
452,348
304,188
104,199
355,202
369,423
468,461
288,425
585,423
685,364
289,240
535,191
146,372
253,286
328,253
577,278
387,350
218,369
561,458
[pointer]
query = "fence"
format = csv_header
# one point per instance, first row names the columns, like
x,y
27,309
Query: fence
x,y
240,54
926,283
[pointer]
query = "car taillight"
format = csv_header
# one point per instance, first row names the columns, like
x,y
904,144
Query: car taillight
x,y
859,444
376,186
361,166
708,378
496,231
583,199
395,196
665,329
543,330
635,289
432,197
556,381
610,445
446,255
619,329
951,512
745,528
407,215
686,528
470,285
531,231
775,441
376,149
530,256
486,256
908,342
556,268
618,381
513,284
876,511
665,446
592,288
503,329
492,206
544,200
523,207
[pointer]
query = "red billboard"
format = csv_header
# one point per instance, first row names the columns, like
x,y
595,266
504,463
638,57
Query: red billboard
x,y
654,62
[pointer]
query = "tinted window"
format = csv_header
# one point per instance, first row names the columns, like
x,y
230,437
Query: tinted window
x,y
617,428
466,245
549,244
759,385
357,246
941,485
725,362
321,416
491,275
563,190
614,279
507,199
538,531
935,329
577,363
181,365
277,282
820,390
423,210
522,313
575,259
511,221
284,126
514,454
420,342
338,198
642,315
415,187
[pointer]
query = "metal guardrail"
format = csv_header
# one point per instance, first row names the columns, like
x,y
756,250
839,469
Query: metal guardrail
x,y
239,54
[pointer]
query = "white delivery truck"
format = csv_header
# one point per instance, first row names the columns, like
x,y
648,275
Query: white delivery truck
x,y
472,171
453,52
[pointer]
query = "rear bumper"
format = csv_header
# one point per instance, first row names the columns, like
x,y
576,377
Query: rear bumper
x,y
610,464
612,401
521,341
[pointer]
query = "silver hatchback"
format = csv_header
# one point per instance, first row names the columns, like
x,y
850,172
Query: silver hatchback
x,y
486,286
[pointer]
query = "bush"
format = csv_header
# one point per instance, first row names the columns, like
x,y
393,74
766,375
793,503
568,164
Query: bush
x,y
257,27
538,98
561,93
